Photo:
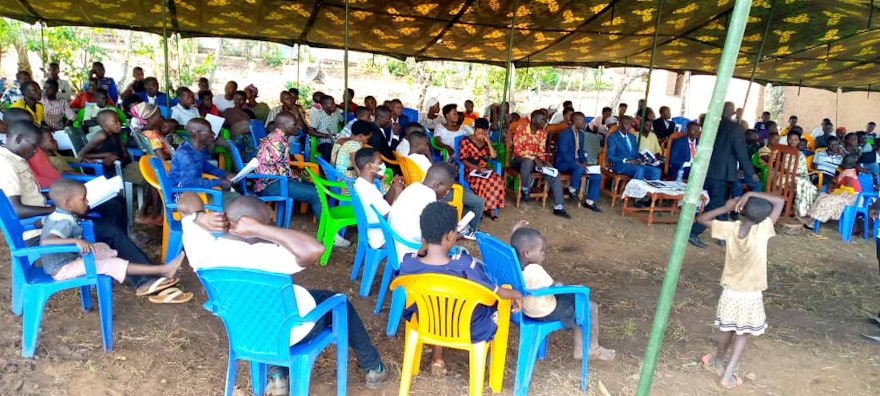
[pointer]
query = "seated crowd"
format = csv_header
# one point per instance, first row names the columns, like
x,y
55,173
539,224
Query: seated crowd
x,y
378,149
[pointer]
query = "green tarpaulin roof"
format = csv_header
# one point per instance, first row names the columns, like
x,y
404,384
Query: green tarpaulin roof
x,y
823,43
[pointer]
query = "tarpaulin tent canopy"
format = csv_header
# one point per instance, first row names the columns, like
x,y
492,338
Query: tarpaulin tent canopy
x,y
822,43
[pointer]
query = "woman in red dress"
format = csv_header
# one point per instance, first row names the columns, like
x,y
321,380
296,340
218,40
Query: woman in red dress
x,y
475,151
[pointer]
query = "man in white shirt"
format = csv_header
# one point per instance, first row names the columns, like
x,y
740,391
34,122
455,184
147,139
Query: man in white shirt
x,y
598,124
361,113
558,116
65,92
252,242
371,168
184,110
227,100
404,215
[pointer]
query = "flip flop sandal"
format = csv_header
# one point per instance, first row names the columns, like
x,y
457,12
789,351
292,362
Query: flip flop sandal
x,y
738,382
706,363
438,368
171,296
818,236
158,285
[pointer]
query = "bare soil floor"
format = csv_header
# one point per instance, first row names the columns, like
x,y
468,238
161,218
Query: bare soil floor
x,y
820,293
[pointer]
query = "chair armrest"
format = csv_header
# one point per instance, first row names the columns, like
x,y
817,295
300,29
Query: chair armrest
x,y
29,223
81,178
97,168
336,196
324,307
562,289
496,164
44,249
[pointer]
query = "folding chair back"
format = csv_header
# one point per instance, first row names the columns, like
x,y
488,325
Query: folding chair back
x,y
782,173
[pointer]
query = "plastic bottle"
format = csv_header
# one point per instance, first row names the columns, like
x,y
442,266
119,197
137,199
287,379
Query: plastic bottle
x,y
680,175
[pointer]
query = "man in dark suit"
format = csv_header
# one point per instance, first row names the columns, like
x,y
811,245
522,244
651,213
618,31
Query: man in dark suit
x,y
623,154
570,158
683,150
729,150
663,126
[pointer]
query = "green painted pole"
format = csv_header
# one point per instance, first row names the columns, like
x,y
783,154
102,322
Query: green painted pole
x,y
726,64
505,109
345,67
165,45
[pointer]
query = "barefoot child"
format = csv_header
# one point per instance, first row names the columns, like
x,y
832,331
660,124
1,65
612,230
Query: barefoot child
x,y
529,245
63,227
740,309
438,225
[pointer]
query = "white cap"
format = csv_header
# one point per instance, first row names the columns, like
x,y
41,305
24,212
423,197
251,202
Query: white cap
x,y
431,102
611,120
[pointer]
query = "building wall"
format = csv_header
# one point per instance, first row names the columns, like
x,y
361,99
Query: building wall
x,y
851,110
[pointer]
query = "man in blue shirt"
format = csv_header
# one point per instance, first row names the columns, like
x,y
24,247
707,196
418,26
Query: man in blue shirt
x,y
108,83
189,163
623,154
151,95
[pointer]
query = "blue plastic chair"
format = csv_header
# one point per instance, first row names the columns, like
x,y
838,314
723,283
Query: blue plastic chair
x,y
32,287
681,122
588,119
166,114
258,310
283,203
411,113
392,266
169,196
368,257
330,171
502,265
863,203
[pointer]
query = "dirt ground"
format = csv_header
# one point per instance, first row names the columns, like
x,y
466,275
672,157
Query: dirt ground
x,y
820,294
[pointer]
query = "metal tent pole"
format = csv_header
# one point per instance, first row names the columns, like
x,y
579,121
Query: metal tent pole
x,y
644,114
760,54
43,45
298,62
345,67
504,108
165,45
726,64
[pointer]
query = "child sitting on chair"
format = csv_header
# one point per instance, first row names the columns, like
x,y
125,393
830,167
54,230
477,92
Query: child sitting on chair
x,y
63,227
529,245
740,311
439,235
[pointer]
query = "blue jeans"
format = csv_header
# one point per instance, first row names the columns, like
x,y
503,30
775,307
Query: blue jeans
x,y
366,354
299,191
638,172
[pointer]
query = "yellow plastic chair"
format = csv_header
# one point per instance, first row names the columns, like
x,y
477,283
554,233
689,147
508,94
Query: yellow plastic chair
x,y
411,171
446,304
457,198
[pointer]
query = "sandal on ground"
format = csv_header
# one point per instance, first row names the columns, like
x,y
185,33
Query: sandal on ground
x,y
438,368
171,296
818,236
738,381
706,362
158,285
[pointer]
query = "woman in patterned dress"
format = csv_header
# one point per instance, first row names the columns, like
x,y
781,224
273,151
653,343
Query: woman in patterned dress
x,y
805,191
475,151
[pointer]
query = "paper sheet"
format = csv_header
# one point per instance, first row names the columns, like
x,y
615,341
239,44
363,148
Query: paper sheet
x,y
63,140
594,169
102,189
248,168
216,123
475,172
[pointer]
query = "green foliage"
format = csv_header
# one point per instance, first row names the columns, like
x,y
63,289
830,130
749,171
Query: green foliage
x,y
271,55
189,74
305,92
397,68
74,48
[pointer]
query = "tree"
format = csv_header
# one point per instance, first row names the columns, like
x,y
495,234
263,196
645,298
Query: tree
x,y
73,48
631,75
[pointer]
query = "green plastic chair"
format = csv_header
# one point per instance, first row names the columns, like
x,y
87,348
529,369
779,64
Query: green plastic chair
x,y
442,150
332,218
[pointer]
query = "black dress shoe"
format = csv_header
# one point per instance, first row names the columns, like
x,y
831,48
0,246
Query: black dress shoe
x,y
697,242
526,196
722,242
561,213
591,206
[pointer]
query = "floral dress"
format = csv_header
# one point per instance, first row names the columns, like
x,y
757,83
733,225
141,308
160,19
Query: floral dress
x,y
805,191
491,189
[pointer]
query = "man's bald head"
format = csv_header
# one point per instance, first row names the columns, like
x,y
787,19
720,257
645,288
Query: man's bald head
x,y
248,206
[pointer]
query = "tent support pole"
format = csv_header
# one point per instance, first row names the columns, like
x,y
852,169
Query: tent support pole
x,y
760,54
345,95
165,45
726,65
298,63
43,44
504,106
644,115
598,86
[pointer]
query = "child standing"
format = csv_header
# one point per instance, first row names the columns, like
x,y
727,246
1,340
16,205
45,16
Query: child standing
x,y
63,227
438,225
740,311
529,245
